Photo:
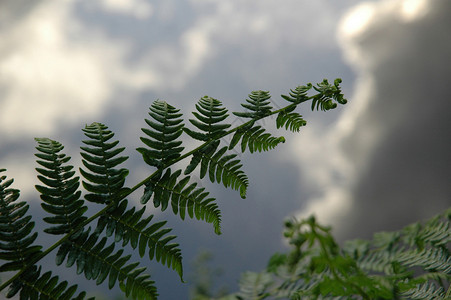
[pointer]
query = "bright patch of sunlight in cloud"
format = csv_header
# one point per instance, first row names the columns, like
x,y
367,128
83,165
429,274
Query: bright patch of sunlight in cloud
x,y
413,9
356,19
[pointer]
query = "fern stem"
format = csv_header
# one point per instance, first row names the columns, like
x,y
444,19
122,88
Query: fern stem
x,y
131,190
180,158
332,268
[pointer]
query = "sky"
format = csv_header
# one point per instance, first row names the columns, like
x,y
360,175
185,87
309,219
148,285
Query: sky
x,y
378,163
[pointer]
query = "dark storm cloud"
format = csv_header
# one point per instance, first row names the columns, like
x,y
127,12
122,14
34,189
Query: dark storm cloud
x,y
407,177
399,147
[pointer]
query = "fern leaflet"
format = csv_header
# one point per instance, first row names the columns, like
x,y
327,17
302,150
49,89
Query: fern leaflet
x,y
60,193
16,237
291,120
129,226
162,136
328,93
432,259
436,232
255,139
104,182
254,286
425,291
184,199
258,105
299,94
209,114
97,263
220,167
32,285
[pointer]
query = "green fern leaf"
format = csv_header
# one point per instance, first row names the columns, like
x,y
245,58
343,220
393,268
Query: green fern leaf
x,y
258,105
32,285
228,170
60,195
104,181
299,94
220,167
254,286
209,115
425,291
327,95
436,232
16,237
432,259
162,135
97,263
255,139
292,121
184,199
381,261
128,226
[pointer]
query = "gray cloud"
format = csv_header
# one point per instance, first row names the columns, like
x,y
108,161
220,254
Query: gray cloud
x,y
395,139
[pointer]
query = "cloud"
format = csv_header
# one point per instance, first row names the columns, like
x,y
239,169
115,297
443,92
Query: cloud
x,y
140,9
58,67
388,156
55,70
243,37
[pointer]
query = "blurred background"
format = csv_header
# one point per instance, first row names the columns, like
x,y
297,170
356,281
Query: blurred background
x,y
378,163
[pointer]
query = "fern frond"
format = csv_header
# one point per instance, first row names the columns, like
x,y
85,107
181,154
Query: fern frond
x,y
184,199
254,286
386,240
432,259
425,291
97,262
256,139
327,94
104,181
129,226
432,276
436,232
291,120
32,285
381,261
209,114
258,105
162,135
299,94
60,194
220,167
16,237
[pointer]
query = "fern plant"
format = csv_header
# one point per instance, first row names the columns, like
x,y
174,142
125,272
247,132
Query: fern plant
x,y
413,263
91,243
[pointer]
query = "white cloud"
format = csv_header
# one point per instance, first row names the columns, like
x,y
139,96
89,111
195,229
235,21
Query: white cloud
x,y
357,19
361,20
54,69
413,9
